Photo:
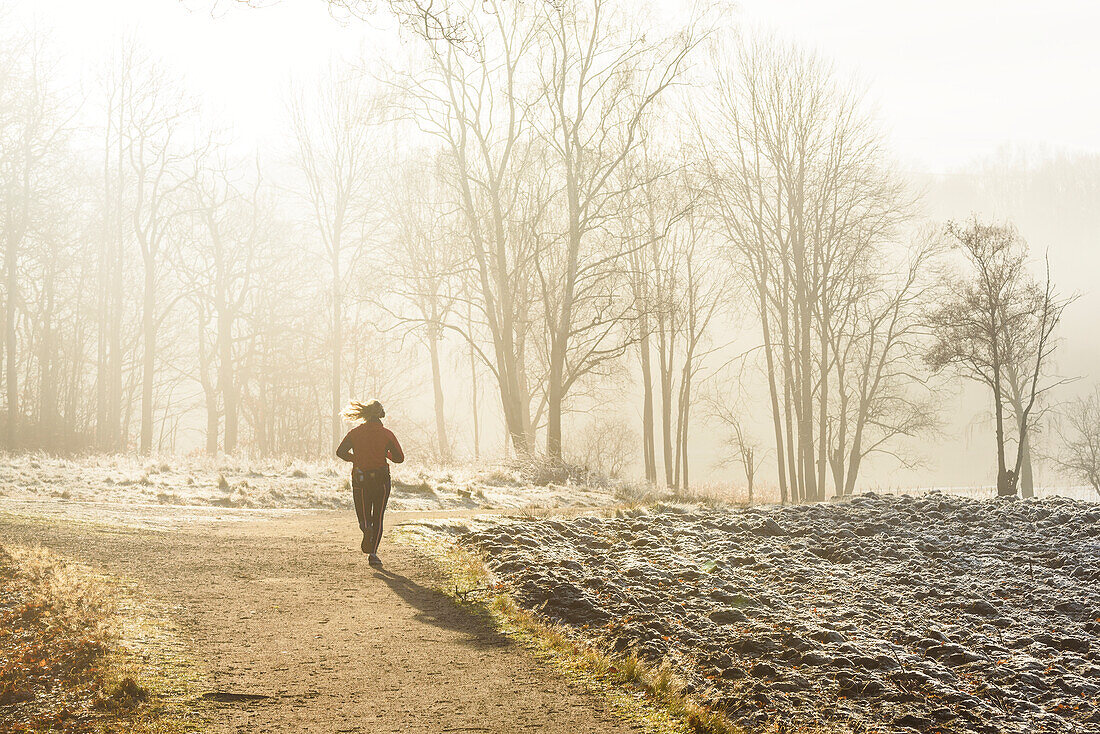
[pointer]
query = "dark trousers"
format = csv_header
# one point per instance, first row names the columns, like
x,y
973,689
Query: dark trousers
x,y
370,491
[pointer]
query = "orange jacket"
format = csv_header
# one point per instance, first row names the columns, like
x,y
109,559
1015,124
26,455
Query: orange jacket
x,y
368,445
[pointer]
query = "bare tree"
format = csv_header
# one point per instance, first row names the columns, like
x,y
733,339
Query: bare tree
x,y
798,185
996,322
876,337
600,79
31,128
478,107
703,285
604,446
285,399
730,413
423,261
678,283
750,456
230,221
156,163
644,220
111,257
334,134
1080,434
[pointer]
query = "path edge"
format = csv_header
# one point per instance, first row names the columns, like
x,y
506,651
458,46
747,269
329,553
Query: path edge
x,y
651,697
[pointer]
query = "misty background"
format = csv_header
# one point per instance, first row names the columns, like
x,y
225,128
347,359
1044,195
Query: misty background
x,y
207,186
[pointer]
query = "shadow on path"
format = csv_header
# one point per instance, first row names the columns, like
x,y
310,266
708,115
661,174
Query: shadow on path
x,y
439,610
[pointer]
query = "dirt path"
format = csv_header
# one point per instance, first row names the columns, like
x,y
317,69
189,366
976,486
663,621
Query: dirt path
x,y
288,608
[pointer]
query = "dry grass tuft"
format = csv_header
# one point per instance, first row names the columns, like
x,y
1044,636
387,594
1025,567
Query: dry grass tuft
x,y
61,661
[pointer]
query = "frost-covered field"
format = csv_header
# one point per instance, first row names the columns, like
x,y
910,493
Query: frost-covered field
x,y
97,486
934,613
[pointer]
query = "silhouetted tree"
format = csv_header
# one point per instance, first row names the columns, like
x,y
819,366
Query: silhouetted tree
x,y
995,324
1080,434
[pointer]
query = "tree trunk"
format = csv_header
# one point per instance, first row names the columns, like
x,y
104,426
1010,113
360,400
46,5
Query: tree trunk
x,y
115,439
513,400
227,379
11,375
853,467
823,407
48,409
555,396
149,331
803,306
772,389
211,422
685,416
473,386
750,474
1006,483
836,466
514,419
787,342
798,493
649,451
666,417
855,458
437,390
1027,479
337,342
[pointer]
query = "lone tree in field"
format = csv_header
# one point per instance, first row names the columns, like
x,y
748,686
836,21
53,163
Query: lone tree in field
x,y
1080,456
996,324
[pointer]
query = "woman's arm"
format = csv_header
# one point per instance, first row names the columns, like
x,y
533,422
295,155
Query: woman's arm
x,y
343,451
394,450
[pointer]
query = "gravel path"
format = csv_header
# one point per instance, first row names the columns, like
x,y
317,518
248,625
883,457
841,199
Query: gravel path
x,y
931,614
288,611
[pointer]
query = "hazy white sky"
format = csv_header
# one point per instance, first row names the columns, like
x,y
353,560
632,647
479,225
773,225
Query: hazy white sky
x,y
953,79
959,78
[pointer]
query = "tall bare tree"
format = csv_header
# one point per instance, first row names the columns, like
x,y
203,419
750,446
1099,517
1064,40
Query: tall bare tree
x,y
996,324
231,223
678,287
335,133
32,127
423,261
600,79
645,218
876,337
478,105
156,163
804,199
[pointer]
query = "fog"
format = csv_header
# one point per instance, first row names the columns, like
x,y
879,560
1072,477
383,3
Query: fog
x,y
549,365
713,238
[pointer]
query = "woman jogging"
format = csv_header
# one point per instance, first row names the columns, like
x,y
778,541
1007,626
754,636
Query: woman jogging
x,y
367,446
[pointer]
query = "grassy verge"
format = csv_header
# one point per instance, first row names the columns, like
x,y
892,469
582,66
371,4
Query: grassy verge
x,y
651,696
75,653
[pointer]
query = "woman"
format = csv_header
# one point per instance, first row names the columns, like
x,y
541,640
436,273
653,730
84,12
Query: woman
x,y
367,446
